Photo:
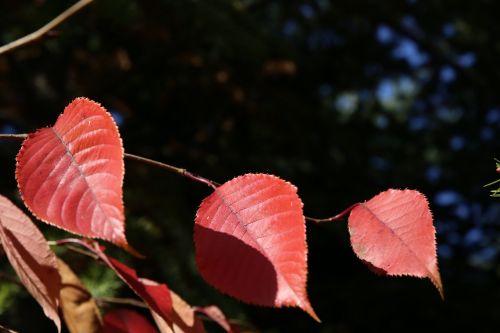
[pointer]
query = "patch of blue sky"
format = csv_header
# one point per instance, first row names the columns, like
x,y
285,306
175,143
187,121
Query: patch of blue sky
x,y
447,74
466,60
408,50
447,198
307,11
117,116
384,34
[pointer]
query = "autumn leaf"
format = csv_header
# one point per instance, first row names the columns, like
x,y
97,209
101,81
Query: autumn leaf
x,y
250,240
394,233
79,308
32,259
213,312
155,295
127,321
184,319
71,175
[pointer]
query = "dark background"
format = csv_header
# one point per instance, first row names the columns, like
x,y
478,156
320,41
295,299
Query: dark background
x,y
342,98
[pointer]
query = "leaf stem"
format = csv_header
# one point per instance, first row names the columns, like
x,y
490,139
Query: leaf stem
x,y
123,301
13,136
46,28
333,218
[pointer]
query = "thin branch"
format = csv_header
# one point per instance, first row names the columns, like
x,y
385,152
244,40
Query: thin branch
x,y
76,250
13,136
190,175
123,301
333,218
180,171
46,28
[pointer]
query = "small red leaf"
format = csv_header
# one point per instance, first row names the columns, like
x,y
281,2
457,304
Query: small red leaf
x,y
213,312
154,294
127,321
394,233
30,256
70,175
183,320
250,239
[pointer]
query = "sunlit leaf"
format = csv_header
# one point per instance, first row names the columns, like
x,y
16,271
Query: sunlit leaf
x,y
250,240
70,175
393,232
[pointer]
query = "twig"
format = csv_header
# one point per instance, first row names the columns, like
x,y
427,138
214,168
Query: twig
x,y
123,301
333,218
180,171
46,28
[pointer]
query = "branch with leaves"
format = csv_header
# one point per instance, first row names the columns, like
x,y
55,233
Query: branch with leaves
x,y
251,228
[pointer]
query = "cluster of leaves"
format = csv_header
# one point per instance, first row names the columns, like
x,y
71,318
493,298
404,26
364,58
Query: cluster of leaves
x,y
249,234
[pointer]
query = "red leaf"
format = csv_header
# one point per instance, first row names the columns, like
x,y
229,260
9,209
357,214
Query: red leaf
x,y
250,239
394,233
70,175
156,295
127,321
31,258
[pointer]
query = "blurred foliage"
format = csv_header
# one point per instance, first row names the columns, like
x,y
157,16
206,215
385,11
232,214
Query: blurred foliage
x,y
342,98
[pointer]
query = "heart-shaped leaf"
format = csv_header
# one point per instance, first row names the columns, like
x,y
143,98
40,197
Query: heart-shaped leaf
x,y
127,321
30,256
250,239
79,308
70,175
394,233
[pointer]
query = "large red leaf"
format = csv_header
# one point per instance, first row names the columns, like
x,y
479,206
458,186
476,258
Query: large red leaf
x,y
394,233
31,258
250,239
70,175
127,321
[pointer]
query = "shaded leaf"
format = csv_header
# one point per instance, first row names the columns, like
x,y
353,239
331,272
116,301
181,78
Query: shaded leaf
x,y
250,240
183,320
394,233
70,175
79,308
127,321
155,295
30,256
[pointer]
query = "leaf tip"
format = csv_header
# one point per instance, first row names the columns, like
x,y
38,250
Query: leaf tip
x,y
310,311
